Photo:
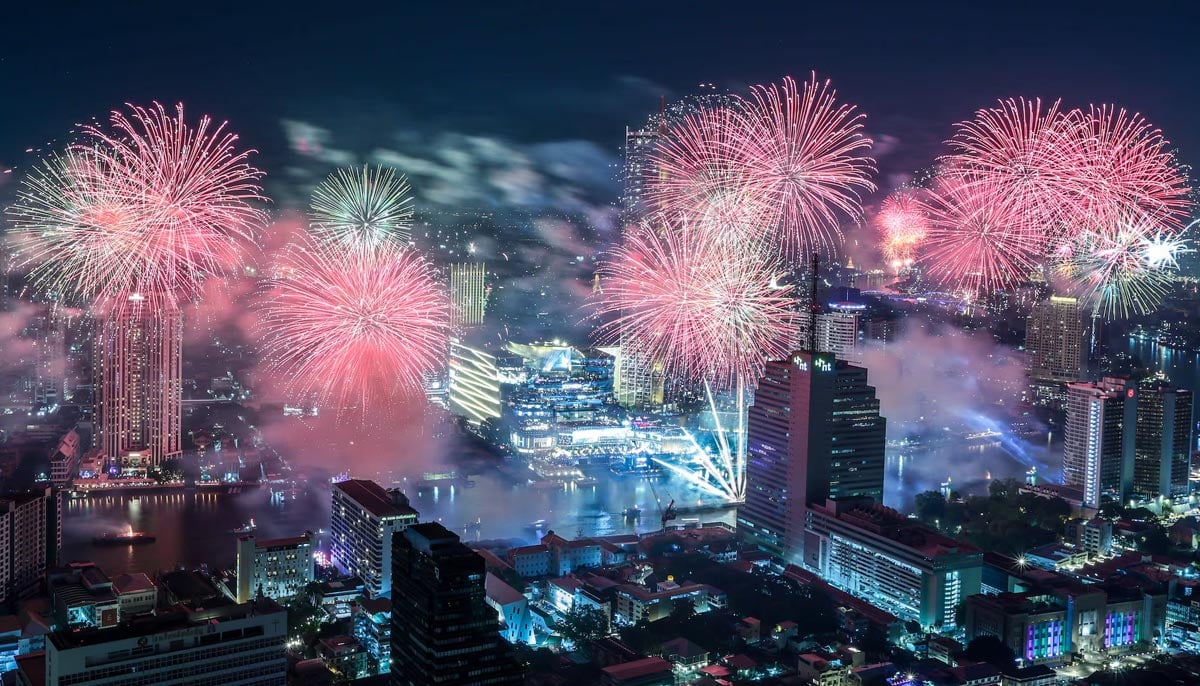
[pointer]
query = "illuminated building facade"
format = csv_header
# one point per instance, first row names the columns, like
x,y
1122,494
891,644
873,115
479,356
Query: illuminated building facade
x,y
139,385
1055,341
814,432
1046,627
447,633
638,379
474,383
890,561
234,645
1162,439
363,519
468,294
837,332
1094,454
278,568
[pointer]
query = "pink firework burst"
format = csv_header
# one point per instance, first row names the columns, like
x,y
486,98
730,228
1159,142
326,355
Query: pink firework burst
x,y
1123,167
697,170
354,327
1023,156
904,224
806,161
680,296
976,243
149,206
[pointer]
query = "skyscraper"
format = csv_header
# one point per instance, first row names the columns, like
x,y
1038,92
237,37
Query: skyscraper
x,y
637,379
363,519
1161,440
1093,445
139,385
443,631
468,293
837,332
813,433
30,540
1055,341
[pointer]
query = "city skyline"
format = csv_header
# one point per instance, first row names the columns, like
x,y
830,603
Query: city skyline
x,y
646,346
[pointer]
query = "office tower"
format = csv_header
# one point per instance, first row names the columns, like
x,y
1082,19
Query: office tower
x,y
139,385
233,645
637,164
277,568
446,634
364,517
1055,341
1093,445
30,540
468,294
1161,442
837,332
813,433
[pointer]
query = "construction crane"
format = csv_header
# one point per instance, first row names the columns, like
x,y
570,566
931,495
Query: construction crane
x,y
666,514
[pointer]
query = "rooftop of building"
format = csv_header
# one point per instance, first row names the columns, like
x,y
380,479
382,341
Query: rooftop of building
x,y
181,616
637,669
1020,603
529,550
339,644
892,525
289,542
376,606
499,591
189,586
133,583
683,648
347,586
374,499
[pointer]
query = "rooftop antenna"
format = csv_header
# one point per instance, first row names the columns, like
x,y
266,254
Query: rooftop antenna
x,y
814,307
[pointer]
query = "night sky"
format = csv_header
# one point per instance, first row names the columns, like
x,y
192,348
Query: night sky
x,y
537,72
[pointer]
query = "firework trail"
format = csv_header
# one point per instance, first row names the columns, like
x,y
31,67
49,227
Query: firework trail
x,y
362,207
806,161
903,222
351,327
679,295
976,243
149,206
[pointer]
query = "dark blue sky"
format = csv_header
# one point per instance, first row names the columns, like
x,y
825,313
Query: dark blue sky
x,y
556,70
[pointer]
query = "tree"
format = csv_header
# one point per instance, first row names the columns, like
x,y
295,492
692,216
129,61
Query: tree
x,y
930,506
582,624
991,650
682,610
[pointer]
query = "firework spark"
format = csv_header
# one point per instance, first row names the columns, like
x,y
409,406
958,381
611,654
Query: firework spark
x,y
1121,268
976,243
149,206
1124,167
680,296
1021,154
352,327
362,207
697,171
806,160
902,220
